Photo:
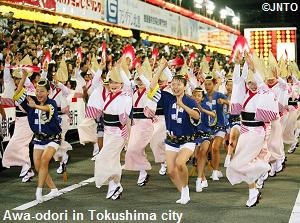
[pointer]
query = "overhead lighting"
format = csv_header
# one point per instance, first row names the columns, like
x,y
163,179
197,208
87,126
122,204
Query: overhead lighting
x,y
223,13
229,11
210,7
235,20
198,4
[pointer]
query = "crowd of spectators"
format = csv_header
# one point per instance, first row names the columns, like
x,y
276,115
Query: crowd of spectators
x,y
20,38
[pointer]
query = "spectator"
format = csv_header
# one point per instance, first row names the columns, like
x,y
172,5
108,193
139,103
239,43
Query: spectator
x,y
146,42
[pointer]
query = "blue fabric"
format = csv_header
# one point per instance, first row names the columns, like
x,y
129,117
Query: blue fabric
x,y
100,125
204,130
177,124
215,106
204,125
51,127
230,124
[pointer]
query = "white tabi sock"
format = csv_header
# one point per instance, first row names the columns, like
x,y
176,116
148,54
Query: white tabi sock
x,y
96,149
185,195
65,158
39,194
142,176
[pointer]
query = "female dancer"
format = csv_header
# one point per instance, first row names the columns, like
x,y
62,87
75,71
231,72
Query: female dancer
x,y
233,125
203,135
257,105
17,150
116,109
45,124
181,116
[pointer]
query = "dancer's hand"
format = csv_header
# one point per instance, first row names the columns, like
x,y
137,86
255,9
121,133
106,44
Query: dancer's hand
x,y
179,101
31,103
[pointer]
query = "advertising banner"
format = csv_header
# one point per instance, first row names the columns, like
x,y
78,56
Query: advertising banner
x,y
139,15
42,4
142,16
134,14
86,9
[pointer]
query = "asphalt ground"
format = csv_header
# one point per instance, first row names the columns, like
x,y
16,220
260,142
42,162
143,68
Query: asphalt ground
x,y
155,202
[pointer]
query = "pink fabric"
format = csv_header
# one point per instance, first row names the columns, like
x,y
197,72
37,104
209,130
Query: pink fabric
x,y
66,110
64,146
236,109
265,115
157,143
7,102
250,159
275,141
149,112
92,112
87,131
107,163
290,127
17,150
140,136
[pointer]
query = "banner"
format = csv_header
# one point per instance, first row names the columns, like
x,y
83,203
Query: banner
x,y
134,14
86,9
190,29
142,16
77,112
42,4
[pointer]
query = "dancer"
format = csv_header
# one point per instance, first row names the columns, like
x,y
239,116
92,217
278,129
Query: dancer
x,y
142,130
234,123
17,149
215,100
116,110
257,105
203,138
182,116
45,123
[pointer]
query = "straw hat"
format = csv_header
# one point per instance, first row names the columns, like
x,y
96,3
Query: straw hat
x,y
250,76
62,72
124,66
282,68
295,69
25,61
146,69
95,64
229,74
229,78
163,76
184,71
259,65
272,65
114,75
216,66
204,66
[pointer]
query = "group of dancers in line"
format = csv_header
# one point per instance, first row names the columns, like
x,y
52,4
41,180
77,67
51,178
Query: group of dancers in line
x,y
179,112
